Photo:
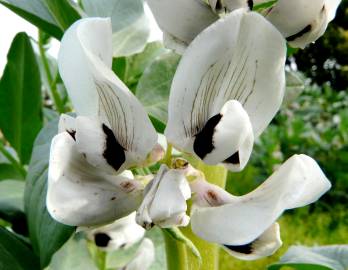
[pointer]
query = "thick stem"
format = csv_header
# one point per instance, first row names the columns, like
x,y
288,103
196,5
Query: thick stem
x,y
176,253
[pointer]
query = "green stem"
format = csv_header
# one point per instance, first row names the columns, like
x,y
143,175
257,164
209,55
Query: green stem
x,y
168,156
52,83
13,161
209,252
101,259
176,253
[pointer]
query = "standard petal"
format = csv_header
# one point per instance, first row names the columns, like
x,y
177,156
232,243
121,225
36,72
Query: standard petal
x,y
302,22
122,233
220,217
84,60
80,195
240,57
265,245
165,198
181,20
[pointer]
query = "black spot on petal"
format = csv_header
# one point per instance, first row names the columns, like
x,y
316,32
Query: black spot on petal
x,y
203,143
250,4
72,133
245,249
305,30
101,239
114,152
234,159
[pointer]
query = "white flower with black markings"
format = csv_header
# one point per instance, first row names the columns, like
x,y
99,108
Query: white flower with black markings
x,y
121,234
111,133
227,88
246,225
302,21
164,201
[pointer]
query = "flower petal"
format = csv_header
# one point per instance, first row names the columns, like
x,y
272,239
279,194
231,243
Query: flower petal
x,y
265,245
300,21
240,57
84,60
122,233
181,20
220,217
80,195
165,198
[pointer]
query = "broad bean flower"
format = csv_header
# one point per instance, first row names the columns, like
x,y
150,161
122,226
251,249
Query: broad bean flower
x,y
227,88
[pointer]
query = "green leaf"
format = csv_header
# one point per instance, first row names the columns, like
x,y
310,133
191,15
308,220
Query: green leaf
x,y
36,13
333,257
20,97
176,234
8,171
131,39
14,254
122,13
154,85
63,12
46,235
11,195
74,255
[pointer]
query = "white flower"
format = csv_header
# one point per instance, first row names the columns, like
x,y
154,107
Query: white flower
x,y
301,21
164,201
246,225
227,88
111,133
122,233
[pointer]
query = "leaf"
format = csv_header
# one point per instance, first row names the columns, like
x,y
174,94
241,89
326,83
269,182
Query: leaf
x,y
154,85
333,257
46,235
35,12
122,13
11,195
176,234
131,39
14,254
294,87
63,12
8,171
74,255
20,97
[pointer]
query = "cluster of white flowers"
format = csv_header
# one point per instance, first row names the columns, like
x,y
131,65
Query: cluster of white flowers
x,y
227,88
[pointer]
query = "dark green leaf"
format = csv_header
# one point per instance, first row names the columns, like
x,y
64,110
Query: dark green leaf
x,y
8,171
14,254
154,86
46,235
63,12
35,12
20,97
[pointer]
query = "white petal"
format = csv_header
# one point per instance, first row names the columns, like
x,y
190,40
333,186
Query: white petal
x,y
80,195
183,20
66,123
240,57
165,198
229,140
84,60
232,220
122,233
265,245
144,257
301,21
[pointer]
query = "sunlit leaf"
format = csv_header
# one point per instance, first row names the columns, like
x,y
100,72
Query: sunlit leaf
x,y
20,97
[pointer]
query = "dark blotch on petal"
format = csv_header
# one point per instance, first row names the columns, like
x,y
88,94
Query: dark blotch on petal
x,y
305,30
114,152
101,239
234,159
72,133
203,143
251,4
245,249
